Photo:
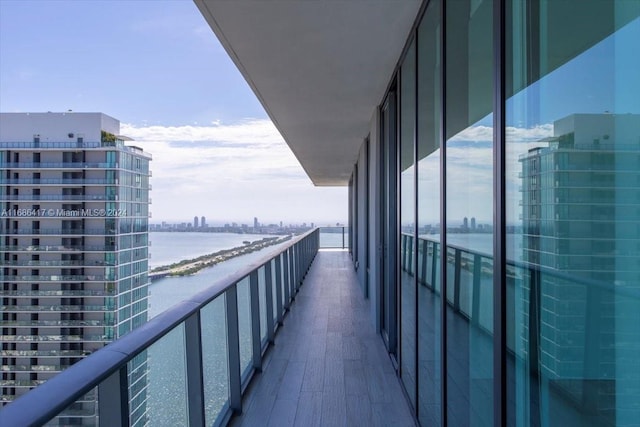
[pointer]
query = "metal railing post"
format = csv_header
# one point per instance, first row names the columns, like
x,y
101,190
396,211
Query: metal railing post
x,y
291,275
195,382
268,283
256,338
233,348
286,287
475,301
434,265
279,282
456,279
113,399
299,252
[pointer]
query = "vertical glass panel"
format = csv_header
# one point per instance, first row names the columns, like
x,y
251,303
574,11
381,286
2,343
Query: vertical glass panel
x,y
429,156
469,201
573,197
389,221
244,326
262,296
214,359
407,223
167,389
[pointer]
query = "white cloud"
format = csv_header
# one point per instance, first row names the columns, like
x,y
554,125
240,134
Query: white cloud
x,y
231,172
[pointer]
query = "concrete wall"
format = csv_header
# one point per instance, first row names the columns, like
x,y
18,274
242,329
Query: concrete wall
x,y
368,270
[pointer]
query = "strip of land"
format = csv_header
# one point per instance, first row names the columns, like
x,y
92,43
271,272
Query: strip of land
x,y
191,266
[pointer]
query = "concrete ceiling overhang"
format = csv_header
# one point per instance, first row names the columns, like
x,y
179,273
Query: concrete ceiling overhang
x,y
319,68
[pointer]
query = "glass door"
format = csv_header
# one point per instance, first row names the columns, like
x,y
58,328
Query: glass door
x,y
389,221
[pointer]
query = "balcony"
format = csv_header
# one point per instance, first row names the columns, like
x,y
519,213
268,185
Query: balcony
x,y
58,165
59,197
62,231
56,278
299,349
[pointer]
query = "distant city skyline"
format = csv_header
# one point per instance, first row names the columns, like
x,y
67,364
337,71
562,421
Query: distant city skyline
x,y
160,70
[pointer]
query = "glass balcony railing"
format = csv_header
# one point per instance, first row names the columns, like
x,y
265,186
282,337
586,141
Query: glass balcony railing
x,y
57,165
54,338
58,197
61,181
43,353
56,278
32,368
61,231
334,237
56,323
45,308
57,248
208,346
58,263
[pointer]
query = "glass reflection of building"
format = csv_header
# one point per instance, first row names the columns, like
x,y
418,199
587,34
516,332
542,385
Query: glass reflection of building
x,y
579,196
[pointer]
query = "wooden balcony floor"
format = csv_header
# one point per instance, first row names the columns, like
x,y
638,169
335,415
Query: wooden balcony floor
x,y
328,366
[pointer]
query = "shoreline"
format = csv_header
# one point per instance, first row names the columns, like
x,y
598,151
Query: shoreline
x,y
191,266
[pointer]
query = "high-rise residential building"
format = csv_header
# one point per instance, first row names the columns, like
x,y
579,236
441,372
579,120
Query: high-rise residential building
x,y
74,202
256,224
195,222
203,222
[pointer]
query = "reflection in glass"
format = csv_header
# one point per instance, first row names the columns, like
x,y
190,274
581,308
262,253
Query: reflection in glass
x,y
428,188
469,201
573,200
407,222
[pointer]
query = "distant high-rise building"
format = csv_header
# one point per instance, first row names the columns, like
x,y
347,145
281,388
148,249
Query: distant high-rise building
x,y
74,226
465,223
473,223
195,222
255,222
203,222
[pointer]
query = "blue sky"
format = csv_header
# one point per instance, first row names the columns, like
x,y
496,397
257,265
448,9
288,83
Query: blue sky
x,y
158,68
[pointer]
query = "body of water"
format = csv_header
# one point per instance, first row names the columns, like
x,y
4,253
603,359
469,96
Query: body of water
x,y
167,403
167,247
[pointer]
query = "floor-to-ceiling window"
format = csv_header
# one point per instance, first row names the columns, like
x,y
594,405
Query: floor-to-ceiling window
x,y
573,206
469,212
429,231
407,222
388,218
565,120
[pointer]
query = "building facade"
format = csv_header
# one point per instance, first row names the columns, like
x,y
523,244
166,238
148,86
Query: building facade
x,y
75,206
437,110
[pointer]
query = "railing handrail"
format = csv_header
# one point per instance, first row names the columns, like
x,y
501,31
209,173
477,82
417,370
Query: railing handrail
x,y
49,399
